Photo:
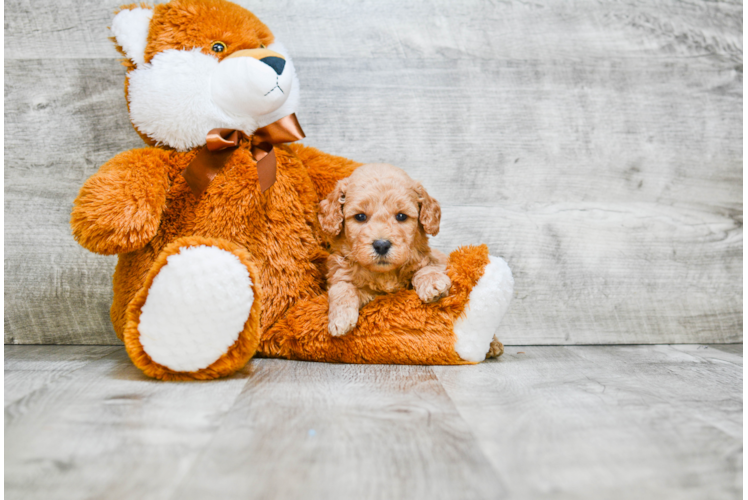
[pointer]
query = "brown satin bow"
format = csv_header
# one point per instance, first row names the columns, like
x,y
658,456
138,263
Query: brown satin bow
x,y
222,142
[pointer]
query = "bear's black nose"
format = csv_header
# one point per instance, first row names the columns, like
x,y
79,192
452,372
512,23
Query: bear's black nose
x,y
275,62
382,246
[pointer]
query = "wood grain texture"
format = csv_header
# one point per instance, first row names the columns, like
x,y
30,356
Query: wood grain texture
x,y
55,291
29,368
605,273
439,29
342,432
575,422
597,146
729,348
106,431
608,422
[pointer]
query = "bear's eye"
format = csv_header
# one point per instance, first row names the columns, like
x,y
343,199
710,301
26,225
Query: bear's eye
x,y
360,217
218,47
401,217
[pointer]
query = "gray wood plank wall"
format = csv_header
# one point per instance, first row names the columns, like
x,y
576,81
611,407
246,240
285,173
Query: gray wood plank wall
x,y
597,146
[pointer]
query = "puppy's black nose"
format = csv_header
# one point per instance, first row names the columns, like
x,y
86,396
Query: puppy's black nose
x,y
382,246
274,62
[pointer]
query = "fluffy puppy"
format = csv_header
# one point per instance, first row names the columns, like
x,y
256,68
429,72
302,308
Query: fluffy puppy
x,y
377,221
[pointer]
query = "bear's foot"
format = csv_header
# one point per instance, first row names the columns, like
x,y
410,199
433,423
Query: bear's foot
x,y
487,304
197,316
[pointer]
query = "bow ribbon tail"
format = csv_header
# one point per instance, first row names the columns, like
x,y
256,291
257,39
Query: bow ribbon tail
x,y
204,167
264,153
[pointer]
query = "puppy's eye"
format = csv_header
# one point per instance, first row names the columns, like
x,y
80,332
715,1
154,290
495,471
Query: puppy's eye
x,y
218,47
360,217
262,46
401,217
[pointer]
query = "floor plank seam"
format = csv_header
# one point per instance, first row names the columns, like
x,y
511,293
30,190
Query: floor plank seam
x,y
477,441
219,425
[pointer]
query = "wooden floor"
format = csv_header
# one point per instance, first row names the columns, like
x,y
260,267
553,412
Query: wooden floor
x,y
579,422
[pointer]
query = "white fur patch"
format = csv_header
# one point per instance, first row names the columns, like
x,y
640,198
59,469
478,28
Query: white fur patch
x,y
245,86
181,95
170,99
196,308
486,306
292,102
130,29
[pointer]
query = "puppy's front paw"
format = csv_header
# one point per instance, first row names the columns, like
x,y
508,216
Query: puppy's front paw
x,y
342,321
432,286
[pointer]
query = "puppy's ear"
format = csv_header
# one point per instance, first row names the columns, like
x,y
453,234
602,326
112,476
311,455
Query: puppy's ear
x,y
430,212
331,209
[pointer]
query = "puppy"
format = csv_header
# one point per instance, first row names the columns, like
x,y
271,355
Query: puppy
x,y
377,221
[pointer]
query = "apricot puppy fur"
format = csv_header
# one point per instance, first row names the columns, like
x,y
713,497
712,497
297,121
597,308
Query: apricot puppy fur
x,y
377,221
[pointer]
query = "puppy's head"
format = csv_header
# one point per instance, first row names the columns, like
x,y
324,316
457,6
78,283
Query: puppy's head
x,y
379,217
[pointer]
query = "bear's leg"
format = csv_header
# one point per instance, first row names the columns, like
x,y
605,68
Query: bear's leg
x,y
197,315
400,328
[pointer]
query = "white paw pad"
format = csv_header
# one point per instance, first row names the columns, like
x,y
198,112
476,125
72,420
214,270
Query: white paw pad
x,y
196,308
486,306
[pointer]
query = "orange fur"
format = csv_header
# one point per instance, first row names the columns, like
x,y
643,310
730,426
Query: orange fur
x,y
325,170
236,357
278,227
139,206
118,209
397,328
186,24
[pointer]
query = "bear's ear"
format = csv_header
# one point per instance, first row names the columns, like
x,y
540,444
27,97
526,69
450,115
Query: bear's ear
x,y
130,30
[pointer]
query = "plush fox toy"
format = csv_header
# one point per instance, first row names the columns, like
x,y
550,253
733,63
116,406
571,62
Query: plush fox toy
x,y
221,254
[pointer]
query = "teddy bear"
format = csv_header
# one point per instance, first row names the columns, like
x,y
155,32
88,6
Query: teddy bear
x,y
215,222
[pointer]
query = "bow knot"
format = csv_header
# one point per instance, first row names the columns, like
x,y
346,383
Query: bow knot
x,y
222,142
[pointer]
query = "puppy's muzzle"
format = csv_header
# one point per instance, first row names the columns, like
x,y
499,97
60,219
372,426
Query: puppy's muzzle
x,y
382,246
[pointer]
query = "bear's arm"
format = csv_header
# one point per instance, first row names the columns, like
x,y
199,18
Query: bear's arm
x,y
119,208
324,169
